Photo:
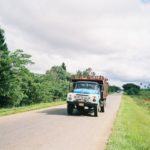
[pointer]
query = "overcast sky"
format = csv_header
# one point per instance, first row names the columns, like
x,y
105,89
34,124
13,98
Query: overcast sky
x,y
110,36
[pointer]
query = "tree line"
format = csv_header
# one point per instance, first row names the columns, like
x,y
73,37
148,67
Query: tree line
x,y
19,86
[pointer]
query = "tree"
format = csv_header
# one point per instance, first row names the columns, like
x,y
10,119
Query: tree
x,y
58,85
79,73
5,70
57,73
13,77
19,86
113,88
85,73
20,77
131,89
64,66
3,45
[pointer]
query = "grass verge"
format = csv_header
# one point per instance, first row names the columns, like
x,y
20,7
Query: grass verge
x,y
14,110
143,99
132,127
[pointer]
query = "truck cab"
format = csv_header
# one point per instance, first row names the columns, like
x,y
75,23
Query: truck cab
x,y
87,93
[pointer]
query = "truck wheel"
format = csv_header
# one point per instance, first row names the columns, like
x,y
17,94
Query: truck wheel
x,y
69,109
96,111
105,102
99,107
102,109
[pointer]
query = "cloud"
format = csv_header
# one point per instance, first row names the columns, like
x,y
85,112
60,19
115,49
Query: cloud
x,y
110,36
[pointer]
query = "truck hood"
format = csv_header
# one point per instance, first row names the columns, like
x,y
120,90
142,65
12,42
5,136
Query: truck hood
x,y
85,91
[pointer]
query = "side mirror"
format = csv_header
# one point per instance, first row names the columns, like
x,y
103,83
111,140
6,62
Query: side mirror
x,y
71,87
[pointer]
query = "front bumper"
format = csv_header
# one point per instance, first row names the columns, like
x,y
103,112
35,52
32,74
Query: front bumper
x,y
81,103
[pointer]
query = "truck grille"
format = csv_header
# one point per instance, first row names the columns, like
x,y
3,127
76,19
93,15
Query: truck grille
x,y
82,97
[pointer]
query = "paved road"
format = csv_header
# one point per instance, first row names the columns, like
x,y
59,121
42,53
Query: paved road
x,y
52,129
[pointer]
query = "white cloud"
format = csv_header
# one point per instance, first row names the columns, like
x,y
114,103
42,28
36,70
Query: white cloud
x,y
110,36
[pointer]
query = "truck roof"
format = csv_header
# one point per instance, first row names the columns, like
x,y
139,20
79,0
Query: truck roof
x,y
86,82
99,79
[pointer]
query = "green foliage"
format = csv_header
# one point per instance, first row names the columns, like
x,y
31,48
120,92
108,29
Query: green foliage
x,y
3,45
5,70
59,79
19,87
143,99
113,88
58,73
85,73
14,75
5,76
144,94
64,66
131,89
24,87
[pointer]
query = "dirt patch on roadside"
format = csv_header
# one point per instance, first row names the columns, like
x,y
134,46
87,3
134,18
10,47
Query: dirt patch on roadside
x,y
147,100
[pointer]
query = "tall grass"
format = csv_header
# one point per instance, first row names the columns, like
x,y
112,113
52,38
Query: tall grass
x,y
143,99
132,127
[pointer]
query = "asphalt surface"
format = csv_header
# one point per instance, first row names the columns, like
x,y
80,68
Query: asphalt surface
x,y
53,129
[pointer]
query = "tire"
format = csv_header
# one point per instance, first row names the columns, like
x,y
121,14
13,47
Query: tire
x,y
80,110
99,108
102,109
103,105
69,109
105,102
96,111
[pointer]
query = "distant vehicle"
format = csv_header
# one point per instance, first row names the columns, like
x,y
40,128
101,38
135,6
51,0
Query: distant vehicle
x,y
88,92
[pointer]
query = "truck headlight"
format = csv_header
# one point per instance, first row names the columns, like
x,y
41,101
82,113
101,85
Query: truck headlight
x,y
70,97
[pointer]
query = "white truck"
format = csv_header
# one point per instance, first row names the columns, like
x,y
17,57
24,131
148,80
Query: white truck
x,y
88,93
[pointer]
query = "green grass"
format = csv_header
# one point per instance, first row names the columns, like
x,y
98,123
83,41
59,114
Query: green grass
x,y
14,110
132,127
143,99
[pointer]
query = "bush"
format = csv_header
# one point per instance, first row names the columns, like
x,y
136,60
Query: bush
x,y
131,89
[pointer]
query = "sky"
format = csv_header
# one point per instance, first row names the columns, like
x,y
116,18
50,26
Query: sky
x,y
110,36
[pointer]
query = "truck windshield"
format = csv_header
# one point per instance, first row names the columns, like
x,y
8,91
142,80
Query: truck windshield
x,y
86,86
